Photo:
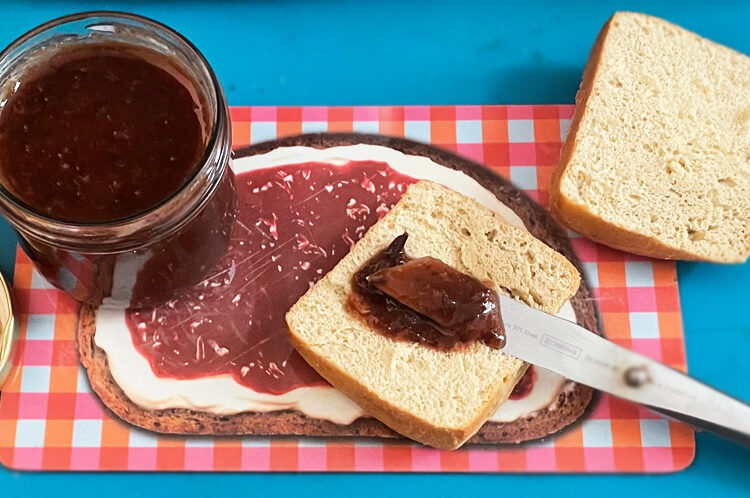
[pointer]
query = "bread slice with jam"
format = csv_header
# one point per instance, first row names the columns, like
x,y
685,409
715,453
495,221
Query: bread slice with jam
x,y
436,397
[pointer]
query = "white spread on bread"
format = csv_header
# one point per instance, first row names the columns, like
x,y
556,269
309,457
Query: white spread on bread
x,y
222,395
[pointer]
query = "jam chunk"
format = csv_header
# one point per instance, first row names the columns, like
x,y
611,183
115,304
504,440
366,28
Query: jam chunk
x,y
425,300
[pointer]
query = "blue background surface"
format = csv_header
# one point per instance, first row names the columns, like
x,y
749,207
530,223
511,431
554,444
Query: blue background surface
x,y
432,52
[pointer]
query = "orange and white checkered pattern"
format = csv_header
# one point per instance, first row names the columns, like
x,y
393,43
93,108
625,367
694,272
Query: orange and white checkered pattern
x,y
50,420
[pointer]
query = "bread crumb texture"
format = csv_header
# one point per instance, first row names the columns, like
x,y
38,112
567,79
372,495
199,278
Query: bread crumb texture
x,y
662,149
437,398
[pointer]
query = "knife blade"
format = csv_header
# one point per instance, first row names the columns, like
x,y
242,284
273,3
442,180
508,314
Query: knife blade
x,y
566,348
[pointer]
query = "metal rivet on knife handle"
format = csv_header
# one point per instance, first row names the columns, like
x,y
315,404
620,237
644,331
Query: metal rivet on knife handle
x,y
636,376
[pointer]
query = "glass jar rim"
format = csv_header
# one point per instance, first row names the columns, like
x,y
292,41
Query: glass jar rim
x,y
220,121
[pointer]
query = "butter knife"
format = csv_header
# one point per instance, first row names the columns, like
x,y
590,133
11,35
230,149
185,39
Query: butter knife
x,y
568,349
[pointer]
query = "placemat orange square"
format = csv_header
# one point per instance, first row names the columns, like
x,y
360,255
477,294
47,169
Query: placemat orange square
x,y
50,420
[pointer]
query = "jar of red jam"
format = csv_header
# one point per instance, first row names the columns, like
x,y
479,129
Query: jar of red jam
x,y
115,146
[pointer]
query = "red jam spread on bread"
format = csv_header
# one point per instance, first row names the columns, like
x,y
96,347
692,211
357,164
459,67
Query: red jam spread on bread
x,y
100,132
294,223
282,243
424,300
524,386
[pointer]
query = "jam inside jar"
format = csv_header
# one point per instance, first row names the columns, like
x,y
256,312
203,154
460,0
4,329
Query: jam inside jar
x,y
115,146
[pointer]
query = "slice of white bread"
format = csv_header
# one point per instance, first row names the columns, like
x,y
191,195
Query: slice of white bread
x,y
434,397
657,160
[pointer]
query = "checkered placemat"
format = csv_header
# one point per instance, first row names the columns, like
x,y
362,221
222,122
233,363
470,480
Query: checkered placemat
x,y
50,420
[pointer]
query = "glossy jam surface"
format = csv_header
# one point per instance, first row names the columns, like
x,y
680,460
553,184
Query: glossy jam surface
x,y
294,223
524,386
424,300
100,132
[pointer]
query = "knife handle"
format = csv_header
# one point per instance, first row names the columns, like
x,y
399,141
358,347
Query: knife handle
x,y
710,409
725,432
570,350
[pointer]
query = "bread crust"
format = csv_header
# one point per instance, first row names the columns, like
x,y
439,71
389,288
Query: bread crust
x,y
570,405
577,216
401,421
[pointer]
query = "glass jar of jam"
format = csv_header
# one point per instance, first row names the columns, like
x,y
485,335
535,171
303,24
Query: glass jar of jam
x,y
115,146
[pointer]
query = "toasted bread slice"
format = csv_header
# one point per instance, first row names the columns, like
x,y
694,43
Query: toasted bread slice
x,y
657,160
437,398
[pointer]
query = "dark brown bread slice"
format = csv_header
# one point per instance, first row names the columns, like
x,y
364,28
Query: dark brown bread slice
x,y
569,406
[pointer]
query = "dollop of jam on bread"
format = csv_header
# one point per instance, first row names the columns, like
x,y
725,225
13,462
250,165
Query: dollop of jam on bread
x,y
424,300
